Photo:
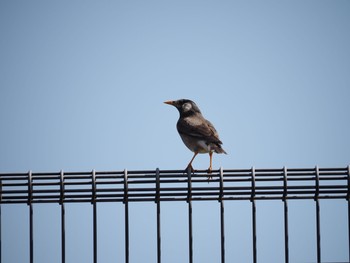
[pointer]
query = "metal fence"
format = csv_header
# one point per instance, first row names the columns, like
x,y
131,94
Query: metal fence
x,y
174,185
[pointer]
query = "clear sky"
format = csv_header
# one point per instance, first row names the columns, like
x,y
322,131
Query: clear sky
x,y
82,85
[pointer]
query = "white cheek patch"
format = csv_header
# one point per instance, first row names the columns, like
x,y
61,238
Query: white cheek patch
x,y
187,106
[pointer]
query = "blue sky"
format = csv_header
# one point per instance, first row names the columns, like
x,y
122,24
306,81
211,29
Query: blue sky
x,y
82,85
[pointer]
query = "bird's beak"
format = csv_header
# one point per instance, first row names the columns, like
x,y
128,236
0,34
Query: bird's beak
x,y
170,102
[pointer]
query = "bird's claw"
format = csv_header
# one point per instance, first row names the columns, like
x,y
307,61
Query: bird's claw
x,y
189,169
209,171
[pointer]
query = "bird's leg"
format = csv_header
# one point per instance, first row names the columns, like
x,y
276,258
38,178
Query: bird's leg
x,y
210,166
189,166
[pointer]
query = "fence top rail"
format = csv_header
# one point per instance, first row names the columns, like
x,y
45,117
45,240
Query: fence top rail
x,y
261,171
176,185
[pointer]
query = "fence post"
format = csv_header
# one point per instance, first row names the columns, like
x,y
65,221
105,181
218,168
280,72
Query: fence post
x,y
31,231
222,215
126,206
348,200
253,214
63,221
94,218
189,201
285,203
157,199
318,223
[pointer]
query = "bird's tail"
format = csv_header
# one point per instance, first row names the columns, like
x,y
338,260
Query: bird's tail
x,y
219,149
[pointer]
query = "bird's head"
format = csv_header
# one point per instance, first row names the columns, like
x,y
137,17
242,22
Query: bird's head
x,y
184,106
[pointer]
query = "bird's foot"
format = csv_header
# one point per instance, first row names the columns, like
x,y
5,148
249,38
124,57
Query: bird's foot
x,y
209,174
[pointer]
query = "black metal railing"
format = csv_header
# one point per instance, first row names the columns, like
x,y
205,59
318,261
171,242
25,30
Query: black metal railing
x,y
174,185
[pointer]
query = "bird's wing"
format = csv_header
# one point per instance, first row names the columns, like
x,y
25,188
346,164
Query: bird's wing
x,y
202,129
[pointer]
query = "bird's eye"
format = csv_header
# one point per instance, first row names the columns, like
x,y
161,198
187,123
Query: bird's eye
x,y
186,106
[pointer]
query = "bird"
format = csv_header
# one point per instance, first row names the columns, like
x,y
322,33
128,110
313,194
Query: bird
x,y
197,133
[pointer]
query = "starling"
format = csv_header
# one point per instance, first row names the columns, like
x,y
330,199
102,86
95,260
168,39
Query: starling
x,y
197,133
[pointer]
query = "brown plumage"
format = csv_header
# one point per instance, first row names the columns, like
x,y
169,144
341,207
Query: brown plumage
x,y
197,133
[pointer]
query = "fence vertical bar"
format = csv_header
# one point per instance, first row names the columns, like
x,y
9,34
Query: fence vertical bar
x,y
318,223
222,215
126,213
159,256
63,234
253,214
63,221
189,201
348,200
285,203
318,227
0,236
31,232
94,219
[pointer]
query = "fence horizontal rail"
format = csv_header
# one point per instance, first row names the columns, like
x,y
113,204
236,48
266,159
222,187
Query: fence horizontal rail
x,y
173,185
